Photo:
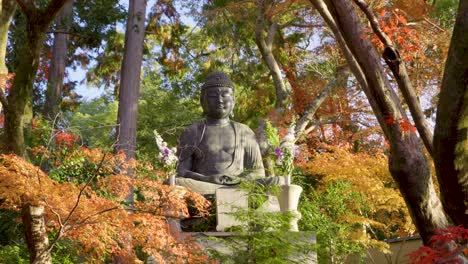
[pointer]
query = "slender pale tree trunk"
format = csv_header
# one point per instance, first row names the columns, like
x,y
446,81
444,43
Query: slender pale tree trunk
x,y
35,233
303,126
265,46
451,131
58,61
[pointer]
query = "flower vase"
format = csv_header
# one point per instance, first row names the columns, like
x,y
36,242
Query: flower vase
x,y
288,200
172,180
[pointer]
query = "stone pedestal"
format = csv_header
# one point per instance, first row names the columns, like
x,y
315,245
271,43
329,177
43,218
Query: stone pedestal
x,y
228,201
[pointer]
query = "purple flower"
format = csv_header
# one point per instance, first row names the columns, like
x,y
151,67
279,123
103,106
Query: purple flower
x,y
278,152
167,151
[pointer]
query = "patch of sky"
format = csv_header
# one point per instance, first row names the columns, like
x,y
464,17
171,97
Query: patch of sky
x,y
78,74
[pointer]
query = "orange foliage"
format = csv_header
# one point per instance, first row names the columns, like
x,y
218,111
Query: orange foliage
x,y
369,175
6,81
404,124
65,139
407,39
102,225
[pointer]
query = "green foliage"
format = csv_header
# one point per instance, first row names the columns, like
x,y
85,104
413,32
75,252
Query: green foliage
x,y
106,72
74,166
13,248
91,25
165,111
14,254
326,214
11,230
445,11
263,237
94,122
62,253
272,135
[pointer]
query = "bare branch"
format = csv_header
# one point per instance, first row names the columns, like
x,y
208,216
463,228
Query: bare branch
x,y
83,188
433,24
85,221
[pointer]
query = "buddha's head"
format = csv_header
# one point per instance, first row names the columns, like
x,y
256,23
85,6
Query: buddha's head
x,y
217,95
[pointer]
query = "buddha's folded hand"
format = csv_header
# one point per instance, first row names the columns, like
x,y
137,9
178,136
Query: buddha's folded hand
x,y
225,179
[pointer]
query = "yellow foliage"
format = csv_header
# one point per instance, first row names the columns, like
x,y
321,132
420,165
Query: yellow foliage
x,y
369,175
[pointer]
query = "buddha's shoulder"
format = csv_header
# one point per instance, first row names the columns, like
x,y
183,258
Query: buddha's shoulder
x,y
245,128
194,127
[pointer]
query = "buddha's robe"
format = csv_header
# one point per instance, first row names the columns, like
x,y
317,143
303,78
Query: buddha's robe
x,y
229,151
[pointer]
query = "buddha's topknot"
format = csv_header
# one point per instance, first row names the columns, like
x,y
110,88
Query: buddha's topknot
x,y
217,79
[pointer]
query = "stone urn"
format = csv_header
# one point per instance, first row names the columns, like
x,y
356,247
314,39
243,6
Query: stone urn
x,y
288,200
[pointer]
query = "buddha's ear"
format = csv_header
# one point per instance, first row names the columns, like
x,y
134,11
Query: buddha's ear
x,y
203,101
233,102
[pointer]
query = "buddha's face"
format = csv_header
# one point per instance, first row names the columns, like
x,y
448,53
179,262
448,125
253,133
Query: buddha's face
x,y
219,102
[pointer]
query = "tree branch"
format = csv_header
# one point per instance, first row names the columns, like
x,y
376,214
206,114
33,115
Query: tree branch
x,y
83,188
271,35
397,66
47,14
268,57
63,225
27,6
3,99
312,108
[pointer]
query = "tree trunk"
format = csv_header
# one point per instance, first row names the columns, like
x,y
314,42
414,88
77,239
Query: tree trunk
x,y
265,46
129,89
58,62
453,180
35,233
130,79
7,11
21,92
408,164
20,95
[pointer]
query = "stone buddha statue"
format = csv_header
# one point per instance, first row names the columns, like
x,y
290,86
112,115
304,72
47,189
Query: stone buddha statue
x,y
218,151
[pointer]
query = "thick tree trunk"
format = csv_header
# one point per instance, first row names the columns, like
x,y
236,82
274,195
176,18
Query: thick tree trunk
x,y
408,164
21,93
35,233
6,14
58,62
130,78
129,91
453,180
